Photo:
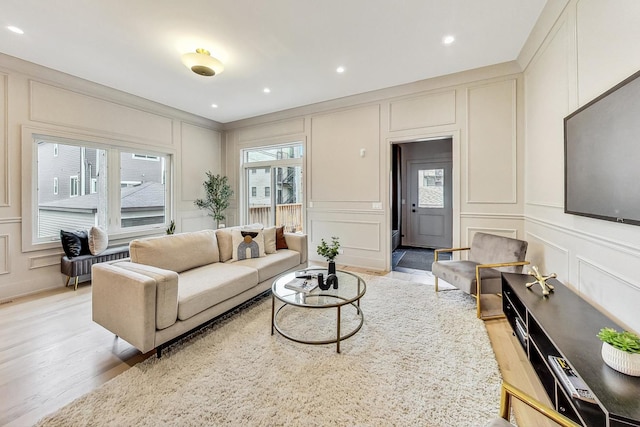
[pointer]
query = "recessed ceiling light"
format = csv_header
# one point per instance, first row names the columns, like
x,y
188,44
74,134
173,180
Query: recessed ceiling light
x,y
448,39
214,105
266,90
340,70
15,29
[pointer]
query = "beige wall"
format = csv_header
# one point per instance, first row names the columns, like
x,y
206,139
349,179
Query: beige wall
x,y
34,99
348,195
572,56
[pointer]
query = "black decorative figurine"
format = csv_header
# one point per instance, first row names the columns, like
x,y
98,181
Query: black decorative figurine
x,y
332,279
322,284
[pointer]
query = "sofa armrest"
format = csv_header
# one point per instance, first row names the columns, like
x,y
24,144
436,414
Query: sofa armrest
x,y
297,242
124,302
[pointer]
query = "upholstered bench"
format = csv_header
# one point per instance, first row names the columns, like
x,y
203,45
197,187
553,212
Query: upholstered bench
x,y
81,265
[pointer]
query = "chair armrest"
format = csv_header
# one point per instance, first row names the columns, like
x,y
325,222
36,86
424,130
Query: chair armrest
x,y
508,391
437,251
496,265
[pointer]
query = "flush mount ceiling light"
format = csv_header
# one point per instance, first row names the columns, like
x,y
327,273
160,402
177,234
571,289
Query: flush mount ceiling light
x,y
201,62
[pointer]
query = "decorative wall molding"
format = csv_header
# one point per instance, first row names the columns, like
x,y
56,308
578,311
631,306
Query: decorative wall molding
x,y
602,240
47,260
506,232
488,215
548,248
271,130
423,111
11,220
88,112
343,229
5,254
492,139
5,188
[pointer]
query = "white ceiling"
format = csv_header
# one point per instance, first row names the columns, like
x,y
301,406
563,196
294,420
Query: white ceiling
x,y
291,46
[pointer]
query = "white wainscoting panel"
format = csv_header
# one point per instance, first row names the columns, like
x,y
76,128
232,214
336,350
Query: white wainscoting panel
x,y
47,260
270,130
5,254
428,110
491,143
363,235
616,295
548,256
201,152
4,142
54,105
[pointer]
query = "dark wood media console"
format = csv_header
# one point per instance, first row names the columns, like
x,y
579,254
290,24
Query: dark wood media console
x,y
565,325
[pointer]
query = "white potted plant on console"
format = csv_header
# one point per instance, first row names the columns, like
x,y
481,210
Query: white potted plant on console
x,y
621,350
329,252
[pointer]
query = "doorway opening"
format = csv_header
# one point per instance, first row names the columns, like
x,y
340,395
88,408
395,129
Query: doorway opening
x,y
422,212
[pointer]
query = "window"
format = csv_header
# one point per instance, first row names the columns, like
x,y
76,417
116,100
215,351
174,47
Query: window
x,y
55,150
134,199
278,168
73,186
431,188
139,156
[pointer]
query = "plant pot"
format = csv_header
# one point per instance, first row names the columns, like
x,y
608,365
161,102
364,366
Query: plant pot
x,y
621,361
331,268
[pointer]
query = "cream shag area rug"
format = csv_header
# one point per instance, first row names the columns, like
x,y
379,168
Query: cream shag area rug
x,y
420,359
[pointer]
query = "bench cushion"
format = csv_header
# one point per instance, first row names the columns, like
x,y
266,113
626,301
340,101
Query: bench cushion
x,y
81,265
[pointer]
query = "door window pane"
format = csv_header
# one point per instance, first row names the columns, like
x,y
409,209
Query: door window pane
x,y
431,188
289,198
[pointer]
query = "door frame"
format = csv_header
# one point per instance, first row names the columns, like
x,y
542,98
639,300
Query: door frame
x,y
456,192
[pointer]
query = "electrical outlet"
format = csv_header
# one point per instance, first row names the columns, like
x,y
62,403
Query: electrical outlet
x,y
376,205
340,251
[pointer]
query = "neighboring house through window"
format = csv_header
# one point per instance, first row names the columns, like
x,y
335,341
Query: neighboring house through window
x,y
73,186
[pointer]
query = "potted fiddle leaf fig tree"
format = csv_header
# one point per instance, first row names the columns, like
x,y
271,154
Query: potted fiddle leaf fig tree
x,y
621,350
329,252
217,195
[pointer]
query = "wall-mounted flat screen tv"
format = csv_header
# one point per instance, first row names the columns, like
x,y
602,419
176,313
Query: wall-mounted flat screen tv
x,y
602,156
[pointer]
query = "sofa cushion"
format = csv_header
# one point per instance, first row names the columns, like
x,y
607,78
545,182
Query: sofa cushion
x,y
270,240
98,240
273,264
247,244
281,241
75,243
166,291
177,252
204,287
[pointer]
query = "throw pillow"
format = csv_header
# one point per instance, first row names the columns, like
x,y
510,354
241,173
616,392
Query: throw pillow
x,y
270,240
247,244
281,242
75,243
98,240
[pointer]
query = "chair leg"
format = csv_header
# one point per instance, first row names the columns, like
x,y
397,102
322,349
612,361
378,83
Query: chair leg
x,y
68,279
436,283
75,288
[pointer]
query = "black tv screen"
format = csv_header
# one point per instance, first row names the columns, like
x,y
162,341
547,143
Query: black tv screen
x,y
602,156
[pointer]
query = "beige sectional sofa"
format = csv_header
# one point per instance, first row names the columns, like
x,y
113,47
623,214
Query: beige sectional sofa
x,y
176,283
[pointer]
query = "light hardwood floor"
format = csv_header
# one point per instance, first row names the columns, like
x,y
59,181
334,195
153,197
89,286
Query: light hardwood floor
x,y
52,353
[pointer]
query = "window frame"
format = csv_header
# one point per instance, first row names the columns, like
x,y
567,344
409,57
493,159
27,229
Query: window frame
x,y
277,162
117,234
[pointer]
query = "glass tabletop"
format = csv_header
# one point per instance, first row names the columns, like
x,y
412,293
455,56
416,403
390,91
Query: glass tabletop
x,y
351,287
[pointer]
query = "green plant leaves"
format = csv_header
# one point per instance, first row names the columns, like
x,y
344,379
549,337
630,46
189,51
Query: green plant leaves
x,y
625,341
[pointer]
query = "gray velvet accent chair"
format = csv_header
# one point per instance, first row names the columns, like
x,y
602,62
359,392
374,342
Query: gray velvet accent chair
x,y
509,393
481,274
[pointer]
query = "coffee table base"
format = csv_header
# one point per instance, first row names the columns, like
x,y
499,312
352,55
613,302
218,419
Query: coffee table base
x,y
337,339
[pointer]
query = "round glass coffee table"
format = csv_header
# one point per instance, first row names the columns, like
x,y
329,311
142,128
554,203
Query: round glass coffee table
x,y
348,293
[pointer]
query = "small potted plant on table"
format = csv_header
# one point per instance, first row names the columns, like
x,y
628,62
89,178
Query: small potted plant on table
x,y
329,252
621,350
